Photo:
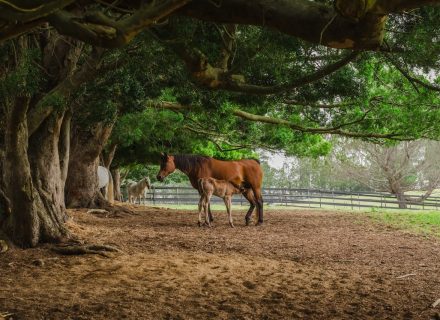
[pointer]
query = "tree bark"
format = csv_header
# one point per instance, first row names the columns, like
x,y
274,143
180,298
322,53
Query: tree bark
x,y
82,180
35,138
116,174
401,200
31,175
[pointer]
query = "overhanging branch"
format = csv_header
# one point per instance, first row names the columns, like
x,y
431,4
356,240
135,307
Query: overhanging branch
x,y
99,30
275,121
17,11
409,77
212,77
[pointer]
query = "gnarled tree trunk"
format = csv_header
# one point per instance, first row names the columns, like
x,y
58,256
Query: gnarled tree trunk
x,y
32,179
34,136
82,180
116,174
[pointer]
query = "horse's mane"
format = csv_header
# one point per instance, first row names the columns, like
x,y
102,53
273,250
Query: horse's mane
x,y
186,162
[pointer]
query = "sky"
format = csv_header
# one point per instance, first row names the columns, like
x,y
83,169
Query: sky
x,y
276,159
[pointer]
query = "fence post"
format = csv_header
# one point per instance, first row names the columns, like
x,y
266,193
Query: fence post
x,y
308,196
320,198
154,192
333,198
351,200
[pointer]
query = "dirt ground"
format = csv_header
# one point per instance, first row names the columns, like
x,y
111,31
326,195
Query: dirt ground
x,y
301,264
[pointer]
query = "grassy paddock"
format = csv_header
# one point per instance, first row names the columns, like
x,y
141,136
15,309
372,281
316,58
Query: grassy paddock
x,y
423,222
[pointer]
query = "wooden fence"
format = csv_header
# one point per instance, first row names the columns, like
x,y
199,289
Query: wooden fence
x,y
310,198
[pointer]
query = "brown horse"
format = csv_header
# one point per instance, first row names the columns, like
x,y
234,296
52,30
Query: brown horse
x,y
244,174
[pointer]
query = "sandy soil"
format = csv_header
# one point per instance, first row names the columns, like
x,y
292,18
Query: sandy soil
x,y
300,265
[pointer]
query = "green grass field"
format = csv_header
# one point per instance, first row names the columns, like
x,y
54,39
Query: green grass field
x,y
422,222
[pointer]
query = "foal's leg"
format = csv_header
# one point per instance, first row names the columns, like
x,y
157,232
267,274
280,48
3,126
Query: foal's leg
x,y
227,200
211,218
201,207
207,218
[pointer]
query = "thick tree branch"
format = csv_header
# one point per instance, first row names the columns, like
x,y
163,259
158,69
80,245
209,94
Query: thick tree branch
x,y
45,106
290,17
26,11
349,24
99,30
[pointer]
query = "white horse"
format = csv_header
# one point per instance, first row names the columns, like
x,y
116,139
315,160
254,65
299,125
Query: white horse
x,y
137,189
105,181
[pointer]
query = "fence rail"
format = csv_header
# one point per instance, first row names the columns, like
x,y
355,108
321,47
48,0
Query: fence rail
x,y
311,198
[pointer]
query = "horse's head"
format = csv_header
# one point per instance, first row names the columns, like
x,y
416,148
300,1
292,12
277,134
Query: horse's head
x,y
167,166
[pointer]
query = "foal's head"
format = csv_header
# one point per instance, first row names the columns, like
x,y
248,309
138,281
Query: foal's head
x,y
167,166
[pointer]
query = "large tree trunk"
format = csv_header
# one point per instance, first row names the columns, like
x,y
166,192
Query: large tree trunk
x,y
31,175
82,180
401,200
116,174
34,136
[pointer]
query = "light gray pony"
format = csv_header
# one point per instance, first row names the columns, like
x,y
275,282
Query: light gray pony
x,y
137,190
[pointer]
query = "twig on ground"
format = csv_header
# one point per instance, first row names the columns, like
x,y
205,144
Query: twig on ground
x,y
406,276
436,303
86,249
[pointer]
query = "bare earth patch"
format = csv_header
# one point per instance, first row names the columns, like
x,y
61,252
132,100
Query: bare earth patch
x,y
300,264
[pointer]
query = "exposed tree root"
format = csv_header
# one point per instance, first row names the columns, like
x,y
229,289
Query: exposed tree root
x,y
3,246
86,249
113,210
6,315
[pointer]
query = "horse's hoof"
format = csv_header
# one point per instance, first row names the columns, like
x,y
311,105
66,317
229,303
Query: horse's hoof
x,y
247,222
199,223
232,226
259,223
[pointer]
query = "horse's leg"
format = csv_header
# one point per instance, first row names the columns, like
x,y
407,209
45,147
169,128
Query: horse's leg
x,y
201,207
211,218
249,195
207,218
227,201
259,201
